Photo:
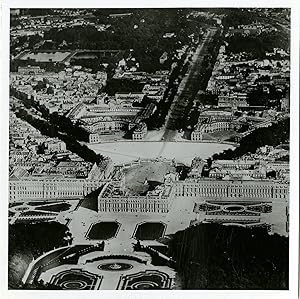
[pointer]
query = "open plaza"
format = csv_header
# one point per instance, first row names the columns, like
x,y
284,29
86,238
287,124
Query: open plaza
x,y
185,152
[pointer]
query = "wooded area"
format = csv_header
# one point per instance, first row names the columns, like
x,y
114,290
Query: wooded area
x,y
213,256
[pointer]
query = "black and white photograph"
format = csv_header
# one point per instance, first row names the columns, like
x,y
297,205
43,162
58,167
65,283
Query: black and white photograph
x,y
150,149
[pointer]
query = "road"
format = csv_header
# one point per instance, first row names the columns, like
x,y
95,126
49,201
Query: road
x,y
188,88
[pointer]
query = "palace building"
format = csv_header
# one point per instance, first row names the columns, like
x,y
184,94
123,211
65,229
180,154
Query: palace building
x,y
139,131
232,201
65,183
213,123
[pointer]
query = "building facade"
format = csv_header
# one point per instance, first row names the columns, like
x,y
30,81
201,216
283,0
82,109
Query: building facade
x,y
46,188
61,185
94,138
139,132
251,202
138,204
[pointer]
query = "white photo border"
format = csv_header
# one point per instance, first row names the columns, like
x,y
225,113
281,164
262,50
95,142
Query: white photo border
x,y
6,5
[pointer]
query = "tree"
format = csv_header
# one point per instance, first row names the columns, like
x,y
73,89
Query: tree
x,y
28,241
274,135
213,256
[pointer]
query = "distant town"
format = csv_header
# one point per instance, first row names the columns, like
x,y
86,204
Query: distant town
x,y
149,148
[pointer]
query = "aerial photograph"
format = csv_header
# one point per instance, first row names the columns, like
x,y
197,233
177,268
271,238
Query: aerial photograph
x,y
149,149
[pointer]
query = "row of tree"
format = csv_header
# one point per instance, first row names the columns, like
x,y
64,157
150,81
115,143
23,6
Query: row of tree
x,y
157,120
51,130
210,52
60,122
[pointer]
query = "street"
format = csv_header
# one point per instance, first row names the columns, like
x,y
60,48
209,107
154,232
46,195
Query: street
x,y
187,89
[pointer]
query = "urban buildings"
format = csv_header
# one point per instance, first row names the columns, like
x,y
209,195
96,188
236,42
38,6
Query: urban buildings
x,y
81,77
235,196
67,181
139,131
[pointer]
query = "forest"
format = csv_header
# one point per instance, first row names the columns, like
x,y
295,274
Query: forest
x,y
213,256
142,32
257,46
270,99
28,241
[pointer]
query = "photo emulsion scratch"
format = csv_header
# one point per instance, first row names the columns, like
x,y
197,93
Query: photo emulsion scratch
x,y
149,149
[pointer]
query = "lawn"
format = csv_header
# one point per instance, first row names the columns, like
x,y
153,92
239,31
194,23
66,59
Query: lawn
x,y
55,208
38,203
149,231
103,230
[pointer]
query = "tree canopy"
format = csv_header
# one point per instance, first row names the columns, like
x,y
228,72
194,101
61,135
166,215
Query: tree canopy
x,y
28,241
213,256
274,135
